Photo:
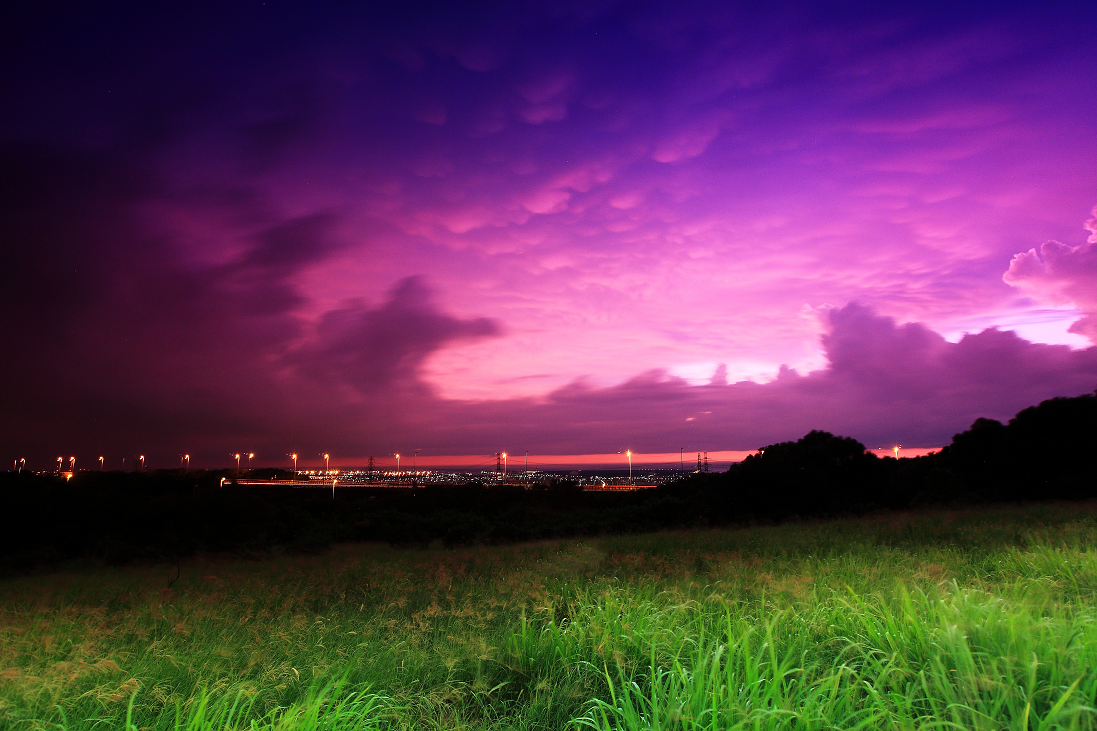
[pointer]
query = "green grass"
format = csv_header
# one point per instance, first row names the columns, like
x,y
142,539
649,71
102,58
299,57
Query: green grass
x,y
976,620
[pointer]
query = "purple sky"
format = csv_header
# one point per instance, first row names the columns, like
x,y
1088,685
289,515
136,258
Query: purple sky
x,y
569,228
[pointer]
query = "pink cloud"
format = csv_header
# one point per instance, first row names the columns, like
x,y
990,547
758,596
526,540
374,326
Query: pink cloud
x,y
546,201
541,113
948,119
1061,274
689,140
546,97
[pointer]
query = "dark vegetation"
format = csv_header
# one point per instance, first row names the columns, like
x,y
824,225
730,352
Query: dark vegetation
x,y
1046,452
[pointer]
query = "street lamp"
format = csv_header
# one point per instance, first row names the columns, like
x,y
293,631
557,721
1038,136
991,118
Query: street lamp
x,y
237,456
327,459
504,468
251,456
59,460
397,465
187,458
142,458
629,453
100,464
895,449
22,463
72,464
294,458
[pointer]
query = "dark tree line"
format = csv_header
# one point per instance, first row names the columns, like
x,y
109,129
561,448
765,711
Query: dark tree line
x,y
1046,452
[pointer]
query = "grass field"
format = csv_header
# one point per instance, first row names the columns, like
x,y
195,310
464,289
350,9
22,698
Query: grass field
x,y
977,620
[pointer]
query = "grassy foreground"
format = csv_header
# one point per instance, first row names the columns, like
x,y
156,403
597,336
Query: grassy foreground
x,y
981,620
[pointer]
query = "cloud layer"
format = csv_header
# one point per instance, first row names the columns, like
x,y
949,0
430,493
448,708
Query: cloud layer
x,y
346,230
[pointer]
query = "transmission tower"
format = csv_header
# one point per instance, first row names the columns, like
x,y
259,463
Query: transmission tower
x,y
370,468
706,461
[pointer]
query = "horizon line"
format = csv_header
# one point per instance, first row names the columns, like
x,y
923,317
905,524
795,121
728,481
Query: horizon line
x,y
662,460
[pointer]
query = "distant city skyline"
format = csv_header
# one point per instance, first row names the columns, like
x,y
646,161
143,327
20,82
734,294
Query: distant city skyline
x,y
577,229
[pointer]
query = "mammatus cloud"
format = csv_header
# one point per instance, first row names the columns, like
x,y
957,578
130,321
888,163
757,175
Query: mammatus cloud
x,y
1061,274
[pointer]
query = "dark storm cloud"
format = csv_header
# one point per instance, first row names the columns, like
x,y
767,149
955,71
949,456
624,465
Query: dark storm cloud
x,y
122,347
289,246
117,342
375,350
298,112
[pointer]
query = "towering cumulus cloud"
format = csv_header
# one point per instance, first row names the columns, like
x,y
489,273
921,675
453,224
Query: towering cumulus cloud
x,y
884,383
1062,274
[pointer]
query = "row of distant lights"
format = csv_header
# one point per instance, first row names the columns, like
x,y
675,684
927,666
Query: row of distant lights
x,y
21,463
